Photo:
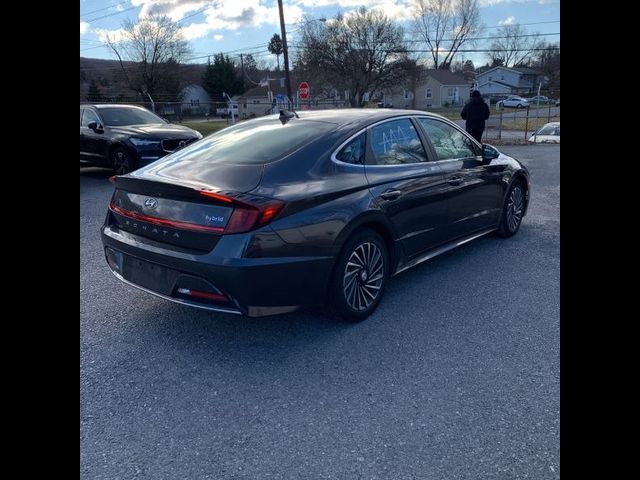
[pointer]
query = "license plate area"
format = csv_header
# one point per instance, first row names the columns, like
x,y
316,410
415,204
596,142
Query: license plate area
x,y
148,275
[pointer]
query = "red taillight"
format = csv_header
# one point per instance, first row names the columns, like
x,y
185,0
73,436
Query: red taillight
x,y
247,216
113,179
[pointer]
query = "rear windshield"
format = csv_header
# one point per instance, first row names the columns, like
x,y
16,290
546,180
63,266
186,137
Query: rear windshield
x,y
255,141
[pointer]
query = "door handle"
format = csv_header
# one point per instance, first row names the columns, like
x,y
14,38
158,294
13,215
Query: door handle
x,y
391,194
455,180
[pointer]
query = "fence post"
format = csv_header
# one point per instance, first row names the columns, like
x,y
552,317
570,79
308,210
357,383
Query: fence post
x,y
526,124
500,127
549,114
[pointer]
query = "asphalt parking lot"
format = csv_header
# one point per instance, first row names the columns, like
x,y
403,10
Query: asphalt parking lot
x,y
455,376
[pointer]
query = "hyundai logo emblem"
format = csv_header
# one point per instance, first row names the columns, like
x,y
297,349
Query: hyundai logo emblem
x,y
151,203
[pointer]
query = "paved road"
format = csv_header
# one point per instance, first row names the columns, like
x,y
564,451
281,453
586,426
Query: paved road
x,y
456,376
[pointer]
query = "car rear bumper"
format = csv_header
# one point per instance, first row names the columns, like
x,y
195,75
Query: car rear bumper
x,y
250,286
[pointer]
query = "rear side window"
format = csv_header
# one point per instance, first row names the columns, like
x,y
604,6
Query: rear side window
x,y
448,142
354,151
396,143
254,142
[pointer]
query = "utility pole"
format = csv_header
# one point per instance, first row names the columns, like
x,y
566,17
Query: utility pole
x,y
285,51
242,66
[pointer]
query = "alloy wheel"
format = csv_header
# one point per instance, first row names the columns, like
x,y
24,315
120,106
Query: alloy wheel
x,y
363,276
515,208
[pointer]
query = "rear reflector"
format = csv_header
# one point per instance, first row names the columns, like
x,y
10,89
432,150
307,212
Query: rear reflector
x,y
200,294
163,221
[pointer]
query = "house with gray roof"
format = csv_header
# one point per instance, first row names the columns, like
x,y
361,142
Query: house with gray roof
x,y
508,81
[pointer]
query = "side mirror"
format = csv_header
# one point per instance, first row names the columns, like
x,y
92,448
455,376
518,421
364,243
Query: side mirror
x,y
489,152
95,126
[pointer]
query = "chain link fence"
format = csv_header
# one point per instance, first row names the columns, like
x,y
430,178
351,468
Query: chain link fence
x,y
510,125
513,124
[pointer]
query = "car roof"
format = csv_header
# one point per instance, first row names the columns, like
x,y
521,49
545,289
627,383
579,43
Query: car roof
x,y
112,105
344,116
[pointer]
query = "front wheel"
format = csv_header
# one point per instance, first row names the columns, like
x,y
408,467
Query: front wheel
x,y
360,276
513,211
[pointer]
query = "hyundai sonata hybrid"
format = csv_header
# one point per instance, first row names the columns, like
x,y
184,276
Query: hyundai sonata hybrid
x,y
308,208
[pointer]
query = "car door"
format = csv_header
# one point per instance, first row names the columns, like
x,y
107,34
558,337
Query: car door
x,y
92,144
474,187
407,183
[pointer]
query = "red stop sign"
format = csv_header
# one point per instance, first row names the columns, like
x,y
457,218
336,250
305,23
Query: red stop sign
x,y
303,91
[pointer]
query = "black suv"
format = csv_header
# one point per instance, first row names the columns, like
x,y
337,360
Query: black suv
x,y
125,137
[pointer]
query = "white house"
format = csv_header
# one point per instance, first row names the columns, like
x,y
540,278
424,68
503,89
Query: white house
x,y
196,100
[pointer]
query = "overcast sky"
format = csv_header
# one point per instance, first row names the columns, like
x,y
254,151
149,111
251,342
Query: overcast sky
x,y
245,26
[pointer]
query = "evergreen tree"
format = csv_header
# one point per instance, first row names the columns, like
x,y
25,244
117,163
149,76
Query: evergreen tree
x,y
94,95
221,77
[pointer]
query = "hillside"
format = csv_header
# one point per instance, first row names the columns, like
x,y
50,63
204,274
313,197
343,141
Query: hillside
x,y
111,82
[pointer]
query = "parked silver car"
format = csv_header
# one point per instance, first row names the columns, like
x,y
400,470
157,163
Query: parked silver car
x,y
513,101
541,99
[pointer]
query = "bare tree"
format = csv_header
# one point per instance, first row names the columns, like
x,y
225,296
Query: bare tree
x,y
514,46
363,52
547,60
445,26
156,46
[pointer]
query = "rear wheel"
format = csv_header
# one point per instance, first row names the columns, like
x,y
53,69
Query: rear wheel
x,y
122,161
360,276
513,210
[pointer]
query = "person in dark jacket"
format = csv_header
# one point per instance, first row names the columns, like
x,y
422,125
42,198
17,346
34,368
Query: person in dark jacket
x,y
475,112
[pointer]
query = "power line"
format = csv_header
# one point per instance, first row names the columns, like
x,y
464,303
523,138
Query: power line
x,y
110,14
490,38
521,24
104,8
244,50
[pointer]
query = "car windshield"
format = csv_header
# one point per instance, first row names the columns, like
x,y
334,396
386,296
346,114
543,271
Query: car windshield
x,y
549,130
255,141
120,116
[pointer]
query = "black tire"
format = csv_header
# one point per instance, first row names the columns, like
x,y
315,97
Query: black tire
x,y
352,292
519,106
122,161
513,210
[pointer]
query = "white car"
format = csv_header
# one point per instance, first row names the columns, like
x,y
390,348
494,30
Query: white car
x,y
549,133
513,102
